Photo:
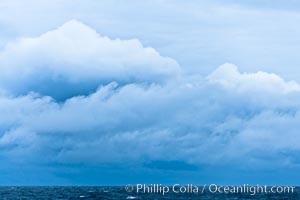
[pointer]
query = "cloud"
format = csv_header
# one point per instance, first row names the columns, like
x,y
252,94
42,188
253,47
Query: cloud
x,y
218,119
74,59
229,76
136,106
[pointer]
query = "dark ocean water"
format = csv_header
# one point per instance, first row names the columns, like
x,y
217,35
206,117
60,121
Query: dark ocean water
x,y
41,193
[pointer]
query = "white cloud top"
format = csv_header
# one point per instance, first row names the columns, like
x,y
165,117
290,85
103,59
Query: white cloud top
x,y
229,76
76,60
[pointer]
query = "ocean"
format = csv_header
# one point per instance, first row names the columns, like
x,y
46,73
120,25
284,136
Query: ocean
x,y
118,192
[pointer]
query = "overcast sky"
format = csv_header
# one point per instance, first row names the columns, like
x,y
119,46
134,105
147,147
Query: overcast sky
x,y
161,91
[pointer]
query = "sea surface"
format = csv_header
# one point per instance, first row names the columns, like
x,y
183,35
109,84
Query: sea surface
x,y
119,192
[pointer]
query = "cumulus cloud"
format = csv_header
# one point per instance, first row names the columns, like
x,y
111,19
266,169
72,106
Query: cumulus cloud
x,y
74,59
229,76
201,121
219,119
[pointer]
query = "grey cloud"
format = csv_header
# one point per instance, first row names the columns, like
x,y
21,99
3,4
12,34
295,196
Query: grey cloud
x,y
198,120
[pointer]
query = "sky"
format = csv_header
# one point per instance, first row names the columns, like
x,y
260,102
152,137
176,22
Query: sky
x,y
162,91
